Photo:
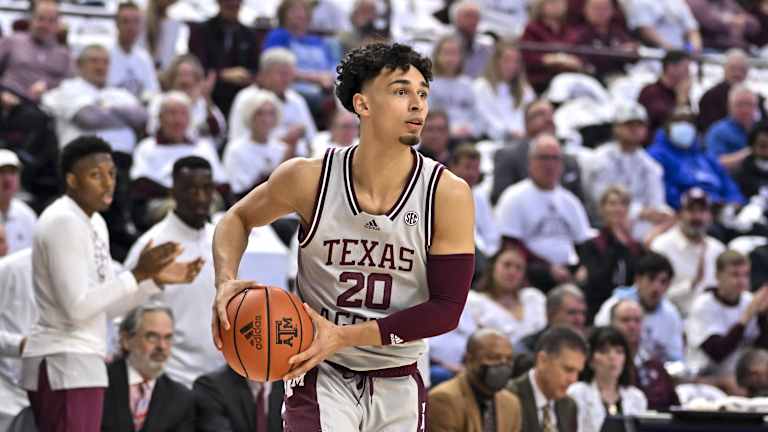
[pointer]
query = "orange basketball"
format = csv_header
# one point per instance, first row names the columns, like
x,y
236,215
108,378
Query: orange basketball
x,y
268,326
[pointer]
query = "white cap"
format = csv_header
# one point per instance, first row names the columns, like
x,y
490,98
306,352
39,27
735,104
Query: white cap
x,y
9,158
630,111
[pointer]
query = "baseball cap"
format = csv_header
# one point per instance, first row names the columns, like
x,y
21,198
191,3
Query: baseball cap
x,y
630,111
694,195
9,158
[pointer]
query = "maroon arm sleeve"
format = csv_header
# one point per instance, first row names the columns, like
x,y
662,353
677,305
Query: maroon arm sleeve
x,y
448,278
718,347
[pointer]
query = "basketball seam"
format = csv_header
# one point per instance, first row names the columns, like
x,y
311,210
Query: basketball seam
x,y
298,315
235,331
269,333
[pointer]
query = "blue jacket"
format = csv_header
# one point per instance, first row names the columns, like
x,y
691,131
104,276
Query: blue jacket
x,y
686,168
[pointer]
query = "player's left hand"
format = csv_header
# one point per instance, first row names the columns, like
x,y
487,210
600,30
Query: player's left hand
x,y
327,341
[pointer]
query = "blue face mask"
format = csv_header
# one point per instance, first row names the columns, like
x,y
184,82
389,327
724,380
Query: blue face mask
x,y
682,134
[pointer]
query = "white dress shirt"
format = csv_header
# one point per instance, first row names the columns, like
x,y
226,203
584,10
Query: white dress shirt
x,y
684,257
541,401
155,161
74,94
133,71
18,313
487,235
247,161
486,312
19,225
501,117
590,404
193,352
76,290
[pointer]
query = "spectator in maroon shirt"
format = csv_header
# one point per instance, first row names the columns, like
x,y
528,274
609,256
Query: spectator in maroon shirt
x,y
713,105
724,24
671,91
600,31
548,25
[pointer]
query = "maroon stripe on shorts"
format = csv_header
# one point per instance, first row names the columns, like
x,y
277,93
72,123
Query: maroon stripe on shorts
x,y
302,412
421,426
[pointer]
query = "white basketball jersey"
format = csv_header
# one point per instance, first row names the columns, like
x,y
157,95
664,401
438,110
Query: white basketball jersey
x,y
355,266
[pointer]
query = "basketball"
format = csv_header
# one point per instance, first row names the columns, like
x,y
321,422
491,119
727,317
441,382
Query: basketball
x,y
268,326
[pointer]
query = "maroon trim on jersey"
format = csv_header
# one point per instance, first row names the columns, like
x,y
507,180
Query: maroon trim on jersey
x,y
429,223
418,163
302,411
448,279
421,426
322,191
349,184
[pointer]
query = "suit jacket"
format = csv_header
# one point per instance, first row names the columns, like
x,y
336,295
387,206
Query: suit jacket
x,y
171,409
510,165
225,403
453,407
565,408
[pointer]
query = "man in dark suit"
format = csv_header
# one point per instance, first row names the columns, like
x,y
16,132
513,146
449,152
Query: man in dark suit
x,y
140,397
227,402
475,400
510,163
560,356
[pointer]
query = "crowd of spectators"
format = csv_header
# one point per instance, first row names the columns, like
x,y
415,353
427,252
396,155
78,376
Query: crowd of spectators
x,y
618,255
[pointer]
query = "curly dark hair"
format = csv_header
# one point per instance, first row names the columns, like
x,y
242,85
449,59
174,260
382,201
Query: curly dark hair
x,y
365,63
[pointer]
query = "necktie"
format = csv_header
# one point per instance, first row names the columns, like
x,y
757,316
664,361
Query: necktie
x,y
489,417
546,420
140,397
261,411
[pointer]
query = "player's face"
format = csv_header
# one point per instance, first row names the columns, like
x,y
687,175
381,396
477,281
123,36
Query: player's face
x,y
651,289
92,182
150,347
9,182
508,271
558,371
193,193
733,281
395,103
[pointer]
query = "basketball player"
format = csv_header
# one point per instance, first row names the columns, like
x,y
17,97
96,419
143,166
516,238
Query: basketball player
x,y
385,259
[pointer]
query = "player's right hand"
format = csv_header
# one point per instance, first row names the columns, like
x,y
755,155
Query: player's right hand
x,y
224,293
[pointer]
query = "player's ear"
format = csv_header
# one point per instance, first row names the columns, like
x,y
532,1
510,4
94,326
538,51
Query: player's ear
x,y
71,180
360,103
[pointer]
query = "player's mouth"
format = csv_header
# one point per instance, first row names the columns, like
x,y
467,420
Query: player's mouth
x,y
414,124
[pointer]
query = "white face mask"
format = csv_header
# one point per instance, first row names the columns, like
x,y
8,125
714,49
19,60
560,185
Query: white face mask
x,y
682,134
762,164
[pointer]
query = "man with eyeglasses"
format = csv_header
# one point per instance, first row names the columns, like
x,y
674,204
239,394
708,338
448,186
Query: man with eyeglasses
x,y
140,396
543,219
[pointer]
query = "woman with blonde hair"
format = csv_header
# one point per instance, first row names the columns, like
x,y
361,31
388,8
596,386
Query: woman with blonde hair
x,y
503,92
162,33
185,74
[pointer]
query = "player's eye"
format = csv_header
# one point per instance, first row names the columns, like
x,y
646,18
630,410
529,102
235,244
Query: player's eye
x,y
423,94
402,92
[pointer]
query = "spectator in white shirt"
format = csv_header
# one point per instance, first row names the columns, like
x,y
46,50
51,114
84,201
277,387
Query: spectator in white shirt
x,y
87,105
76,290
506,18
465,163
186,74
344,132
151,173
18,313
188,225
542,218
662,327
668,24
277,72
506,303
162,33
250,160
130,67
465,15
690,250
624,162
503,93
723,320
15,214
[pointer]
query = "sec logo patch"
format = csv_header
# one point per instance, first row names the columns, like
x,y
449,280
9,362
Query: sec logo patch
x,y
411,218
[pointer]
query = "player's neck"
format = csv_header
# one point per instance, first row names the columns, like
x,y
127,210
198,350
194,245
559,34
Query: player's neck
x,y
371,160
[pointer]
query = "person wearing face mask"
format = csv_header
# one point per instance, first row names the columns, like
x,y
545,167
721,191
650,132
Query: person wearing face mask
x,y
140,397
606,386
476,400
679,151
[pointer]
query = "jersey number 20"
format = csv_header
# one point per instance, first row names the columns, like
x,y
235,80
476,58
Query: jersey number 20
x,y
370,284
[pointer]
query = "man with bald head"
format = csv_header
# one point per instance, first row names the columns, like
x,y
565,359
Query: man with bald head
x,y
727,139
652,378
542,218
475,400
